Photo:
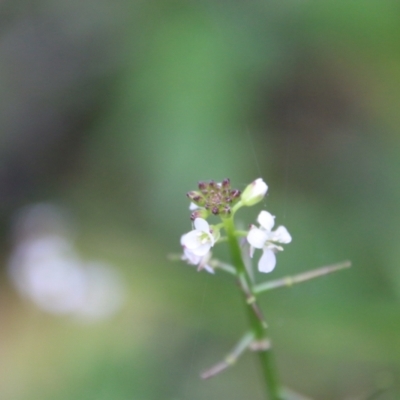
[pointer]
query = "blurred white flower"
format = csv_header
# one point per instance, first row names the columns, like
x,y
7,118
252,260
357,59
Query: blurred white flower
x,y
104,294
265,238
46,269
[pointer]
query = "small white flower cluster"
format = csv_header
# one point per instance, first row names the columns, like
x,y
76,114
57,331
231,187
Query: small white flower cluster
x,y
198,242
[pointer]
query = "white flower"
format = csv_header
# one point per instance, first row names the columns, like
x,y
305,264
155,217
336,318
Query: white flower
x,y
200,240
197,244
265,238
254,192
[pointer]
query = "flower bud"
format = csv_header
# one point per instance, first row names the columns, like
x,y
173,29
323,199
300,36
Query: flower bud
x,y
254,192
235,193
215,210
202,185
226,183
196,198
199,213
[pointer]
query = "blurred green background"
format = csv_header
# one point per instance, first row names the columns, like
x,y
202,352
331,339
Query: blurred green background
x,y
112,110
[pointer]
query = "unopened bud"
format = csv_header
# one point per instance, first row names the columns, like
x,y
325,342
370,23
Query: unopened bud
x,y
196,197
226,183
202,185
235,193
254,192
199,213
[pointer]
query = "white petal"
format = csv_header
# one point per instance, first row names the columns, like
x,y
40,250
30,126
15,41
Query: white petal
x,y
282,235
266,220
193,206
267,261
190,257
201,250
260,186
203,264
257,237
201,225
251,251
208,269
191,240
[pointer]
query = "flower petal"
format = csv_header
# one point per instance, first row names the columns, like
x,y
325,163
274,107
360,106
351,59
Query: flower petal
x,y
191,240
267,261
208,269
202,249
257,237
201,224
193,206
266,220
190,257
281,235
251,251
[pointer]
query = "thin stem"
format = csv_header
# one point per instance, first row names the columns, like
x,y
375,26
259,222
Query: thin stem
x,y
257,325
231,358
305,276
216,264
241,233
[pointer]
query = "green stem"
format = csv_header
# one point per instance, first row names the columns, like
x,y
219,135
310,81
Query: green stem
x,y
231,358
257,325
299,278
